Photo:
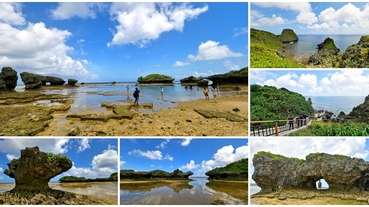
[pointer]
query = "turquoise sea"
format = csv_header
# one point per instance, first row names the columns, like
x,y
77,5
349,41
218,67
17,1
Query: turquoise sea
x,y
307,44
336,104
90,96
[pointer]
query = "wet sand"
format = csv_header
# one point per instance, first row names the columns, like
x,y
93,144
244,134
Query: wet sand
x,y
182,120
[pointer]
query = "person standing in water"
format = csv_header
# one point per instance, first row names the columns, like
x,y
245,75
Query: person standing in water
x,y
136,95
162,93
206,93
215,93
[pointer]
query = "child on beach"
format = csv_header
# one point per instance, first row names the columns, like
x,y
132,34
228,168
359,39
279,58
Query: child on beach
x,y
215,93
206,93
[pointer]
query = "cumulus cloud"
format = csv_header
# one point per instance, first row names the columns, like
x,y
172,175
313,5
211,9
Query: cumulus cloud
x,y
305,14
180,64
186,141
203,74
189,166
224,156
83,145
152,155
13,146
283,81
260,20
122,163
230,65
301,147
11,13
141,23
67,10
163,144
34,43
1,170
211,50
109,158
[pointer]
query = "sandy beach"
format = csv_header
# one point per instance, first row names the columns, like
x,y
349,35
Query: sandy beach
x,y
182,120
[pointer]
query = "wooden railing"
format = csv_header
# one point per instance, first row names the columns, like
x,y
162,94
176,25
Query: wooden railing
x,y
269,127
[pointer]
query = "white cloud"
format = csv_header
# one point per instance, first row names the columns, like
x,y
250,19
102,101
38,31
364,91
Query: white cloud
x,y
107,159
230,65
283,81
10,157
67,10
211,50
186,141
140,23
1,170
13,146
305,14
224,156
203,74
163,144
152,155
180,64
43,47
309,80
122,163
240,31
258,20
189,166
354,147
83,145
11,14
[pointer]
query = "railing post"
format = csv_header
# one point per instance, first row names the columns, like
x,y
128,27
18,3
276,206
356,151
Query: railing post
x,y
276,128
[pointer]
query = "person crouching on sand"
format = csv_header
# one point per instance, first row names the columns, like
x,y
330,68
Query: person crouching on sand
x,y
206,93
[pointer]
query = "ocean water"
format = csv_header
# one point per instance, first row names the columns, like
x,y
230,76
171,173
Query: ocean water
x,y
90,96
336,104
307,44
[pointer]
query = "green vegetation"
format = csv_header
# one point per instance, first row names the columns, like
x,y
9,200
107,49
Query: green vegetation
x,y
270,103
71,178
159,173
266,51
238,166
113,177
334,129
244,70
278,157
52,157
155,78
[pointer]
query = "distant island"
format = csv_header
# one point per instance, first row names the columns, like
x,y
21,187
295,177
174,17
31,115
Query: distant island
x,y
155,174
155,78
268,50
72,179
233,171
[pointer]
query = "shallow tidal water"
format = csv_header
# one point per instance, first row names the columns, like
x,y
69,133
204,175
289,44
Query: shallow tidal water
x,y
199,191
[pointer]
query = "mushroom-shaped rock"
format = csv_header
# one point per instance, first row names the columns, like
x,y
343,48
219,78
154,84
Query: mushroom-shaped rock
x,y
72,82
8,78
34,169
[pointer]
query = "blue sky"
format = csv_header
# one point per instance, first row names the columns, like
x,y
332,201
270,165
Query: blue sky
x,y
94,42
351,82
91,158
196,155
353,147
311,17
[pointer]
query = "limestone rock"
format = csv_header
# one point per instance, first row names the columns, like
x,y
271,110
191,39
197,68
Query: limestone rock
x,y
288,36
190,79
202,83
32,81
139,175
34,169
327,50
72,82
8,79
229,171
356,55
359,113
342,173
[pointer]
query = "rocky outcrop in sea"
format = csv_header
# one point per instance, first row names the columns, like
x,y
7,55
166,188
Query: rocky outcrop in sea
x,y
359,113
273,172
32,81
357,55
8,79
143,175
233,171
326,51
288,36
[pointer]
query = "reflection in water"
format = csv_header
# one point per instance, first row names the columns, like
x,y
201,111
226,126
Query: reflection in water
x,y
180,192
91,188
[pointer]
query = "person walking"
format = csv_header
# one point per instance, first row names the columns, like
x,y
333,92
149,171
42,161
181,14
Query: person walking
x,y
290,122
136,95
215,93
127,87
206,93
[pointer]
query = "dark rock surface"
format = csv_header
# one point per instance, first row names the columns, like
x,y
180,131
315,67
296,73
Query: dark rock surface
x,y
274,172
228,78
190,79
140,175
234,171
288,35
32,81
326,51
72,82
34,169
203,83
8,79
357,55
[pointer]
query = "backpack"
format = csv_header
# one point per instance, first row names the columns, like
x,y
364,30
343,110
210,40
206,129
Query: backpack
x,y
135,94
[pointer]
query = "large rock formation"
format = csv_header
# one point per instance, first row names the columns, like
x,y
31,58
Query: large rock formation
x,y
342,173
32,81
140,175
34,169
288,36
357,55
233,171
8,79
232,77
190,79
359,113
72,82
155,78
327,50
